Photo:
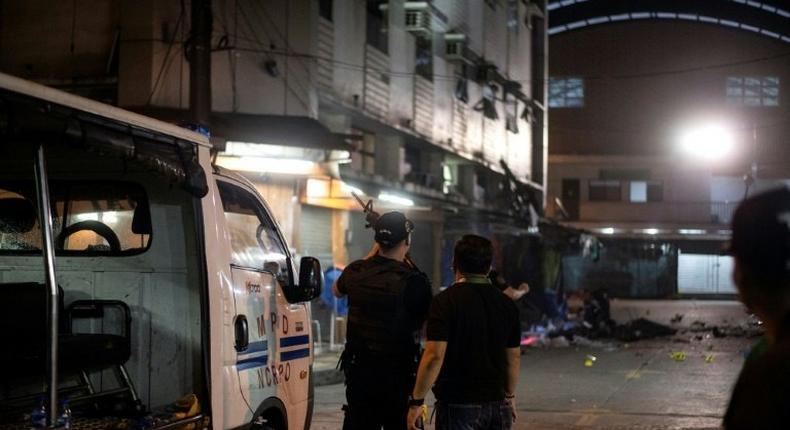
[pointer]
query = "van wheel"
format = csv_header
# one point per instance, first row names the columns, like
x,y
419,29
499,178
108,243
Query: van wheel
x,y
262,423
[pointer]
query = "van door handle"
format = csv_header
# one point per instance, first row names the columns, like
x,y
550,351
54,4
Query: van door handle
x,y
242,333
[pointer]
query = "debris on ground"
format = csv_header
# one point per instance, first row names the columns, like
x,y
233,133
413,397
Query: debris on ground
x,y
642,328
592,326
709,358
697,326
559,342
678,356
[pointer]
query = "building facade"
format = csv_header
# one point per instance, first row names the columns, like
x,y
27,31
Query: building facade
x,y
427,107
661,124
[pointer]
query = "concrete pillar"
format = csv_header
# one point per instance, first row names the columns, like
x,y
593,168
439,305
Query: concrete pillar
x,y
467,181
389,157
340,219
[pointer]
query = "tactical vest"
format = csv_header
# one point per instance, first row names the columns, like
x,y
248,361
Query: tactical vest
x,y
378,322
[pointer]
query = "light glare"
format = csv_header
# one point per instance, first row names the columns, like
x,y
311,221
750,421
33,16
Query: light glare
x,y
403,201
711,142
286,166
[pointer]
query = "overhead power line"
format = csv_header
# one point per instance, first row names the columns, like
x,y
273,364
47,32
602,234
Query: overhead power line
x,y
626,76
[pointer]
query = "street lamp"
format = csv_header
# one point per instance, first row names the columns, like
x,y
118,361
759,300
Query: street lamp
x,y
711,142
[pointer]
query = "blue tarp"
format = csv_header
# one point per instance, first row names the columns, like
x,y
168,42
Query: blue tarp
x,y
340,306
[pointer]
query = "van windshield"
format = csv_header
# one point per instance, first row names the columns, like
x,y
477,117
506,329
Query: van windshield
x,y
88,217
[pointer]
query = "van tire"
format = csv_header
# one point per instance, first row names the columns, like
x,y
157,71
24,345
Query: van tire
x,y
261,423
271,419
270,415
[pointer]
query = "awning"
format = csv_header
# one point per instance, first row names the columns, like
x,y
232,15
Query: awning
x,y
283,130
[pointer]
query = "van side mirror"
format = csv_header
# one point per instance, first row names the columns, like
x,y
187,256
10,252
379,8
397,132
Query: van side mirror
x,y
311,279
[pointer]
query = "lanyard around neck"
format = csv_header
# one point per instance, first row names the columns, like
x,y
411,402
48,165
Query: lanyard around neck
x,y
473,279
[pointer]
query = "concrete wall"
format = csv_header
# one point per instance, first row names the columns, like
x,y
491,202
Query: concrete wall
x,y
57,39
686,189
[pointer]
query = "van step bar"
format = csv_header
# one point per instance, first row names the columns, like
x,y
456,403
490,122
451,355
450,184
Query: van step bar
x,y
197,422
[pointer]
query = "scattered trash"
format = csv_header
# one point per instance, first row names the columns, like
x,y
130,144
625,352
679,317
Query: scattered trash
x,y
590,360
530,340
591,326
678,356
709,358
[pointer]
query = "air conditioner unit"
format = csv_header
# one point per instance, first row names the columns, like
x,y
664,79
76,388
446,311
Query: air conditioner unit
x,y
455,47
418,17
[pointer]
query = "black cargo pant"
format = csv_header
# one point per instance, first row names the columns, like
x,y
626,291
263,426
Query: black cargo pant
x,y
377,395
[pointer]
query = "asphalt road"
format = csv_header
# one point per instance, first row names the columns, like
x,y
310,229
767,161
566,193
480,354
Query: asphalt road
x,y
639,386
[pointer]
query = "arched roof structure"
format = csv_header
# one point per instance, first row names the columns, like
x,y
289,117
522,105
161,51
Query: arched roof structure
x,y
766,17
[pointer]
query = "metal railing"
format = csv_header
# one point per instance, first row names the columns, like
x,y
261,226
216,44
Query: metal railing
x,y
706,212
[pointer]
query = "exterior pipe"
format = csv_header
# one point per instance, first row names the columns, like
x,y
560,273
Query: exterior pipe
x,y
48,249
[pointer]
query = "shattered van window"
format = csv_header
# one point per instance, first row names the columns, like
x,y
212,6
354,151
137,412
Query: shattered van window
x,y
87,217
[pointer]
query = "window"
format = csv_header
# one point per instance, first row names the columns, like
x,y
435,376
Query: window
x,y
604,191
655,191
376,35
753,90
566,92
646,191
89,218
638,192
424,57
254,239
325,9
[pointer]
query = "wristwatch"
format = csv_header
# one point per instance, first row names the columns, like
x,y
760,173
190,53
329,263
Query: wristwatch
x,y
415,402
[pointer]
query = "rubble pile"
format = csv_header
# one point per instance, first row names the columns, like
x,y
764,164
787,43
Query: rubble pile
x,y
592,326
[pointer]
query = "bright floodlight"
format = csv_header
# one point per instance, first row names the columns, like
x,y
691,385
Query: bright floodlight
x,y
710,142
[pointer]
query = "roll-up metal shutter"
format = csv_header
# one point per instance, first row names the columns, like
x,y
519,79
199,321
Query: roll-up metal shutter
x,y
705,274
315,234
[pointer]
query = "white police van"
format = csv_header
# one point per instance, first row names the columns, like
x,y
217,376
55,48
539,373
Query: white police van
x,y
140,286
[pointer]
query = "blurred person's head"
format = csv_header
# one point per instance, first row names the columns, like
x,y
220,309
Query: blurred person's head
x,y
472,255
760,246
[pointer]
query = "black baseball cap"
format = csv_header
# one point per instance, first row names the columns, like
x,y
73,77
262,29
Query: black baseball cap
x,y
761,234
391,228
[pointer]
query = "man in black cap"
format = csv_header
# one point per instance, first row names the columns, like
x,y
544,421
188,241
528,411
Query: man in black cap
x,y
388,302
761,248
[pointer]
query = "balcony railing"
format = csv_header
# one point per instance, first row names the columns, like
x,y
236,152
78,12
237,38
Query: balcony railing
x,y
718,212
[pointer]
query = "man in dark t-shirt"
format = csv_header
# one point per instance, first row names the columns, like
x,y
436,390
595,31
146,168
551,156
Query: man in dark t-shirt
x,y
472,351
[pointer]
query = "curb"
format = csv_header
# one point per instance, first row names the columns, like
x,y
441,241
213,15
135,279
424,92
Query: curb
x,y
329,376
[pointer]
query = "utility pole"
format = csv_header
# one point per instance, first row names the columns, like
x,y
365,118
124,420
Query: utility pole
x,y
200,64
